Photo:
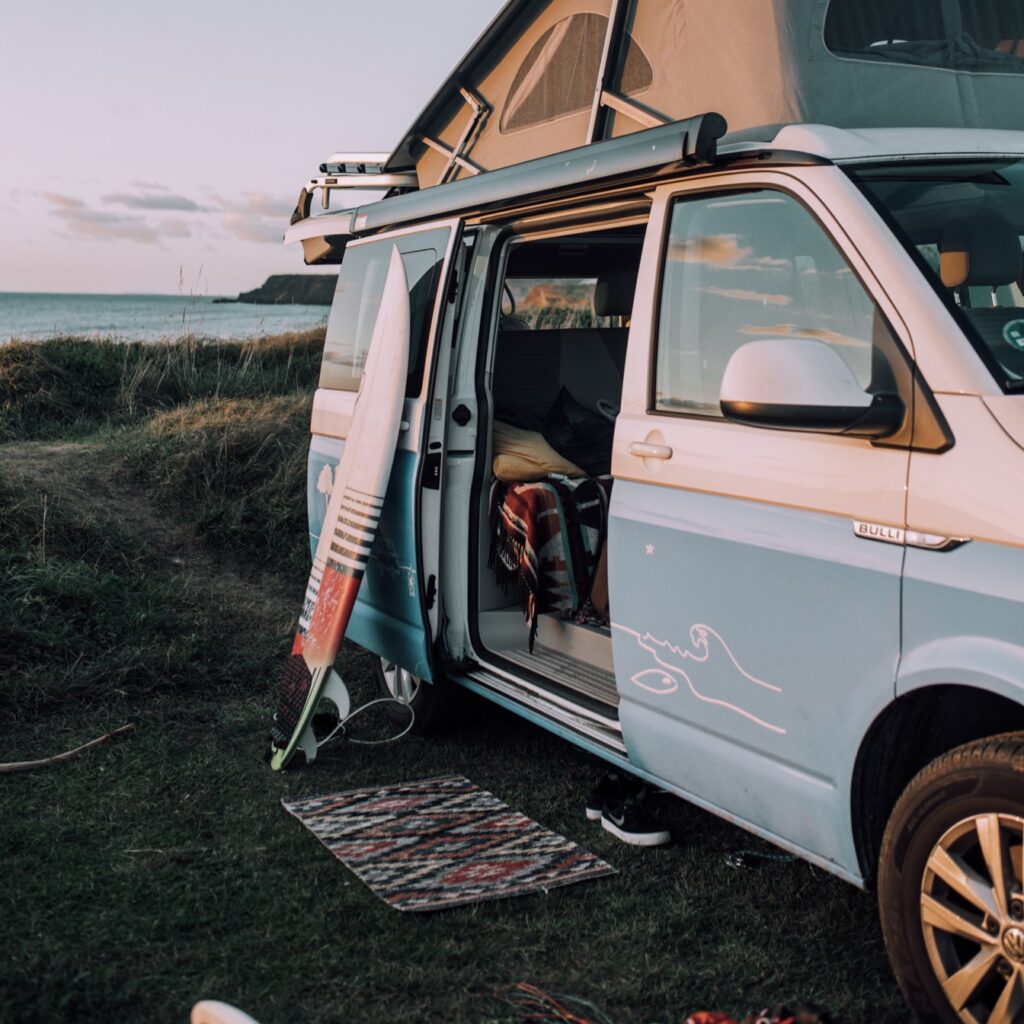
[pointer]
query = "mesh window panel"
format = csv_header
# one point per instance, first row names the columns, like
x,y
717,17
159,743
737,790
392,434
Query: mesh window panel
x,y
559,73
637,73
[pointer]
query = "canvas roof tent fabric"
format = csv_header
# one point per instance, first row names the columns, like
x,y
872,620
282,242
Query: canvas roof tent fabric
x,y
528,87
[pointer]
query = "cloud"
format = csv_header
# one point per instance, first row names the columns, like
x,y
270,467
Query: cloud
x,y
255,216
254,229
175,229
63,202
723,252
105,227
718,250
743,295
99,225
258,204
168,201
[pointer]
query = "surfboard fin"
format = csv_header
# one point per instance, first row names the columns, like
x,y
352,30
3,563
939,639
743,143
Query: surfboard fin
x,y
292,730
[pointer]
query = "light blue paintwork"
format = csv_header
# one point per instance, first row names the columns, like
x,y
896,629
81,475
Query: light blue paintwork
x,y
964,619
604,754
757,645
388,618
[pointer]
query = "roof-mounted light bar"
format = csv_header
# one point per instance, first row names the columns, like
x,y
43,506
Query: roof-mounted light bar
x,y
354,163
362,171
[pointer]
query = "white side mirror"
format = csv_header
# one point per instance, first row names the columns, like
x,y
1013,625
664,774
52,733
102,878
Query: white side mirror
x,y
802,384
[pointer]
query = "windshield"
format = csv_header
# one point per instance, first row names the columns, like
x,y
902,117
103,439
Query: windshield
x,y
964,223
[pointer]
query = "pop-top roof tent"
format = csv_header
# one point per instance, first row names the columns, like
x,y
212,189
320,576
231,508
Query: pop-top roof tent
x,y
548,75
551,75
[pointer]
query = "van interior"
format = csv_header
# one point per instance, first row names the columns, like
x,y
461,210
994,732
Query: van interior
x,y
556,360
966,223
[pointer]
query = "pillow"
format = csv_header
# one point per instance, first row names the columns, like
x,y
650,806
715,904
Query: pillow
x,y
521,456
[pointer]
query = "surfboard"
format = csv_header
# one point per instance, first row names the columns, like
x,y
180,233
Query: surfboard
x,y
350,525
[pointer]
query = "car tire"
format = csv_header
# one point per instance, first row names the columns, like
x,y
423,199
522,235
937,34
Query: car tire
x,y
432,703
951,885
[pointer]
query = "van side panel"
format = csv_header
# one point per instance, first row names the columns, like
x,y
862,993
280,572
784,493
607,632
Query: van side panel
x,y
754,648
963,619
963,609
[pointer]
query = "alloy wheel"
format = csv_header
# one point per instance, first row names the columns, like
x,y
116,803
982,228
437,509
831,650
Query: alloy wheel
x,y
401,683
972,917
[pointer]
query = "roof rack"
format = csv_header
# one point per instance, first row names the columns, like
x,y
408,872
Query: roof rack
x,y
364,171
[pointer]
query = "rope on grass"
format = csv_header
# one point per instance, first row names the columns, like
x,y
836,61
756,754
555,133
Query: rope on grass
x,y
46,762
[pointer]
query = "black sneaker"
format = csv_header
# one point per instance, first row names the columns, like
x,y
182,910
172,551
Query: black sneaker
x,y
631,822
614,788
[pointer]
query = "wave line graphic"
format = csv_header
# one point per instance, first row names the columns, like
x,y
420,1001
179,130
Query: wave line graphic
x,y
665,685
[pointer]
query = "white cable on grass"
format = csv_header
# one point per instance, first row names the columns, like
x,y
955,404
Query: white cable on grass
x,y
372,743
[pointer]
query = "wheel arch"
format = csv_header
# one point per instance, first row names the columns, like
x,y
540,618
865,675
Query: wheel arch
x,y
912,731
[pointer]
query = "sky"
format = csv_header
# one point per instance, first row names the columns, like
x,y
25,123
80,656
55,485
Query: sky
x,y
160,147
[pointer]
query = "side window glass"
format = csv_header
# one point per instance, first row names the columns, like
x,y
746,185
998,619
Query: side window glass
x,y
357,302
741,267
551,304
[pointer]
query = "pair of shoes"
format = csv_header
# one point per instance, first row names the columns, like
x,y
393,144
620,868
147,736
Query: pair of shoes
x,y
633,823
613,789
617,801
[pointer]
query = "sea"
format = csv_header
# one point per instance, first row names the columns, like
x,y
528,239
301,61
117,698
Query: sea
x,y
28,315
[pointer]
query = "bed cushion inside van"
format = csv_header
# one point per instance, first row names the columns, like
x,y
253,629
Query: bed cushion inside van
x,y
524,456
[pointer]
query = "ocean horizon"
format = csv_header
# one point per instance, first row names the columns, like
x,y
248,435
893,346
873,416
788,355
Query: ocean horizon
x,y
131,317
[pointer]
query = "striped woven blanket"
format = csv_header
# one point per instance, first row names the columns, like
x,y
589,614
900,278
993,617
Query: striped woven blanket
x,y
546,539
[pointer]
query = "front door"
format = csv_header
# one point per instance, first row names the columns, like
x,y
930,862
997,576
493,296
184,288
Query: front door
x,y
753,630
391,615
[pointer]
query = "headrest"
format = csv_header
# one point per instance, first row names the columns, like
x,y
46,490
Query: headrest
x,y
983,252
613,295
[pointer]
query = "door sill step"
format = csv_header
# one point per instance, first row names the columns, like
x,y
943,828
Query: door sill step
x,y
572,673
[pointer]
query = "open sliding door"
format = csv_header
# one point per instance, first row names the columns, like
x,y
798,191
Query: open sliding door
x,y
392,614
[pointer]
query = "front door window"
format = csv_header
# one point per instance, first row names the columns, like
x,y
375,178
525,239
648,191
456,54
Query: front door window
x,y
751,266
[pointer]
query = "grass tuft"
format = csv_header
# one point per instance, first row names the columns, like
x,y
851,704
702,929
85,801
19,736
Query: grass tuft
x,y
68,387
235,470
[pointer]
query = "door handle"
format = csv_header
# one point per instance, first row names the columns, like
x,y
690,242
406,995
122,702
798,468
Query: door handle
x,y
643,450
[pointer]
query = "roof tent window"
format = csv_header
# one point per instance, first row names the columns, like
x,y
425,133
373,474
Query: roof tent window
x,y
560,72
637,73
967,35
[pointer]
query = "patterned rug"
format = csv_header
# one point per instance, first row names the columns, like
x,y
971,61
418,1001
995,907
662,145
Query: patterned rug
x,y
442,843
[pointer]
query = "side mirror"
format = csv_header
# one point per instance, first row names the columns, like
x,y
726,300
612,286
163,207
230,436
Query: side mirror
x,y
802,384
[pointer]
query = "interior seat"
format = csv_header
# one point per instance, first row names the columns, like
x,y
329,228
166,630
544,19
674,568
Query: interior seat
x,y
531,367
986,253
593,359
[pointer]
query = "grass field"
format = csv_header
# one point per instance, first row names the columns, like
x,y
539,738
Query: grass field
x,y
152,560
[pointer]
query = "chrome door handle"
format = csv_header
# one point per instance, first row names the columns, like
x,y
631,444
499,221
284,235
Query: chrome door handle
x,y
642,450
